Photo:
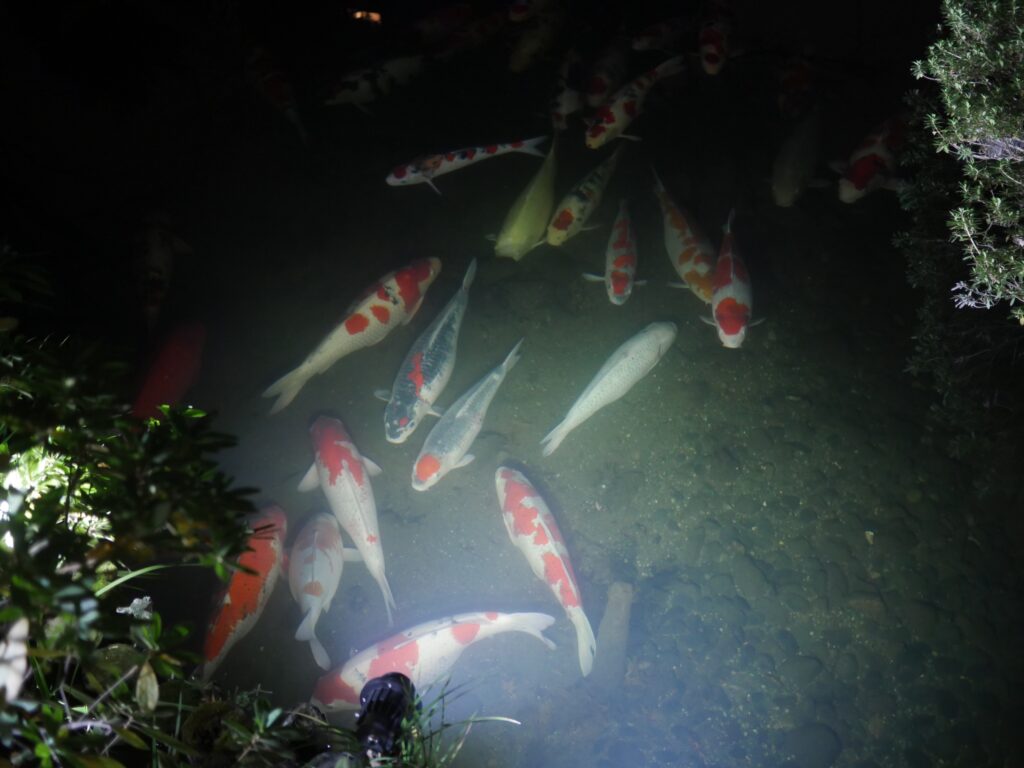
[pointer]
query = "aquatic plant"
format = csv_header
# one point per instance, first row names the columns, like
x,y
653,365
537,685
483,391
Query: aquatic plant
x,y
963,245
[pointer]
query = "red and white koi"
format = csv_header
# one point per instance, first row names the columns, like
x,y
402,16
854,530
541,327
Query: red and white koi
x,y
424,170
615,115
659,36
425,653
572,213
447,444
688,248
619,259
732,299
427,368
873,162
568,98
391,301
715,37
315,564
243,600
173,371
606,75
343,474
627,365
532,528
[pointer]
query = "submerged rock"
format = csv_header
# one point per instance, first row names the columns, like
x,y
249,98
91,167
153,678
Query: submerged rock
x,y
612,639
813,745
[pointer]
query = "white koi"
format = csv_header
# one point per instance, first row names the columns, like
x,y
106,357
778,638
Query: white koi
x,y
627,365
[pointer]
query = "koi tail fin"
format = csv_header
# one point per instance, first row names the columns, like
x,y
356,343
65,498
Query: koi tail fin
x,y
286,388
554,438
389,599
586,643
530,146
532,624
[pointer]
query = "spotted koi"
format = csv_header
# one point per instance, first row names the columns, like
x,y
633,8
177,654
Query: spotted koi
x,y
343,474
615,115
620,259
425,169
427,368
687,246
732,300
533,530
391,301
572,213
425,653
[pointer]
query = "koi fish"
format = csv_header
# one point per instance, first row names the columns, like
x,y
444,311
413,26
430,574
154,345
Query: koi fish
x,y
794,164
314,571
425,653
627,365
362,86
572,212
344,476
532,528
715,37
391,301
248,589
271,83
567,99
426,169
872,163
173,371
619,259
447,444
731,301
606,75
659,36
615,115
525,223
687,246
427,368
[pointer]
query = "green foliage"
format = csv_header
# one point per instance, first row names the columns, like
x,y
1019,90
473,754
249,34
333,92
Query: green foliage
x,y
978,65
963,243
